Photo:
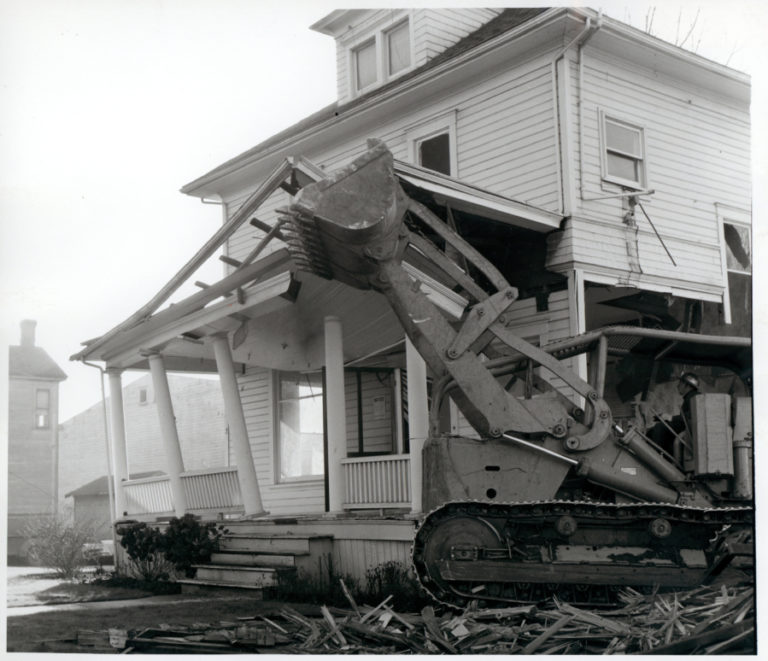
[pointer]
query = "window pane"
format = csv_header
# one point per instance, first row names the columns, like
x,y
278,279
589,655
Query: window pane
x,y
622,138
301,425
435,153
365,65
737,248
623,167
399,48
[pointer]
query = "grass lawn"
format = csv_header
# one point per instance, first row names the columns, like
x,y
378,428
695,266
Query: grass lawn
x,y
44,632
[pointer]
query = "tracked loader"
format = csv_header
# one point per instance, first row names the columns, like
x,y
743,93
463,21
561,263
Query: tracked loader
x,y
553,497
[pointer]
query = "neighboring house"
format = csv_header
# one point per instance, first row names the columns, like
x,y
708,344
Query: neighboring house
x,y
540,130
33,436
90,504
202,431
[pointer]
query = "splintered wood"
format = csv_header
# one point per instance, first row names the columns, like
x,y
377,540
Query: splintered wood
x,y
706,620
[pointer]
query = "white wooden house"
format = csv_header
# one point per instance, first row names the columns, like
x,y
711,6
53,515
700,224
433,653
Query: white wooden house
x,y
590,161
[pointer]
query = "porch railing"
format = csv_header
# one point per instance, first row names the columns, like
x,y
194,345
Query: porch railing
x,y
213,489
377,482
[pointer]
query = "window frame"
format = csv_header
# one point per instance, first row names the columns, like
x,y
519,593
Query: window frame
x,y
727,215
641,159
415,135
386,34
42,410
277,437
379,37
356,67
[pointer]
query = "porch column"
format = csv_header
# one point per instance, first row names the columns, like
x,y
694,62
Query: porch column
x,y
418,418
238,432
119,446
174,465
336,412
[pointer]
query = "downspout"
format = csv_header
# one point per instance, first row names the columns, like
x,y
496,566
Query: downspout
x,y
110,487
560,128
580,104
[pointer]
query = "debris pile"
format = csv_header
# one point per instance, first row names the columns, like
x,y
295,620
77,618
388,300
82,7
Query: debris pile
x,y
704,620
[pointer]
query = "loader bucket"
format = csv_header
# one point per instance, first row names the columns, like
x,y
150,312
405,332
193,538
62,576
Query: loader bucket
x,y
336,226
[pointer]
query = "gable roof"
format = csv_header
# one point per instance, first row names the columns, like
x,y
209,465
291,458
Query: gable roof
x,y
31,362
507,20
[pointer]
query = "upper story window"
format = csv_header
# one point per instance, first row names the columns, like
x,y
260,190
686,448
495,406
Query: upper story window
x,y
382,57
623,153
143,396
398,42
365,65
432,144
738,249
42,409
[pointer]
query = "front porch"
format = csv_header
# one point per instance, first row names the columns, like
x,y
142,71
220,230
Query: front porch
x,y
370,483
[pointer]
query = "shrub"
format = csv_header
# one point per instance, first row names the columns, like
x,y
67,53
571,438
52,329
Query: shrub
x,y
144,546
187,542
59,544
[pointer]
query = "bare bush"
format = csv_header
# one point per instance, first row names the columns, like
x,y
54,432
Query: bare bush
x,y
57,543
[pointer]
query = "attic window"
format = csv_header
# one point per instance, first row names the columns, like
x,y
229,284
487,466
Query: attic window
x,y
398,49
365,65
623,156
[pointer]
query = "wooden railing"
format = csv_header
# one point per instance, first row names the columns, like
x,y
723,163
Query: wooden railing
x,y
148,495
213,489
377,482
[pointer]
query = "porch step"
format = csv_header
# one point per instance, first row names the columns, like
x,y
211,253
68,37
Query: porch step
x,y
259,560
272,543
258,577
249,559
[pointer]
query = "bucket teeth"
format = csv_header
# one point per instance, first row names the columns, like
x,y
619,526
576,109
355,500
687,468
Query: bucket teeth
x,y
304,244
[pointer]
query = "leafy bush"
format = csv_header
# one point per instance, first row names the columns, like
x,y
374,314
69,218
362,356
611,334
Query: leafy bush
x,y
320,587
188,542
144,546
59,544
154,554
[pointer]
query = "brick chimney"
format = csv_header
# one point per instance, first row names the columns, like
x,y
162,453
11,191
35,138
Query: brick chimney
x,y
28,332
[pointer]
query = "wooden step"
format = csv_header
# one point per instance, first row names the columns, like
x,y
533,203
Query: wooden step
x,y
248,559
271,543
259,577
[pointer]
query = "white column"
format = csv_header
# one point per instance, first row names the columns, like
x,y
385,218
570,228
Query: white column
x,y
119,446
336,413
238,432
174,464
418,418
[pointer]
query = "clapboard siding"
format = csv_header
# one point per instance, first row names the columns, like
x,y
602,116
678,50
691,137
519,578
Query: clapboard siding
x,y
355,557
697,155
442,28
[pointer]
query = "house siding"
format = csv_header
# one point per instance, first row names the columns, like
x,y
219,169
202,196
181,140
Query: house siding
x,y
697,155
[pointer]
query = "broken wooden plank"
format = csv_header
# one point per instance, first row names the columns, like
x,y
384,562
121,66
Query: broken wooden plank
x,y
537,642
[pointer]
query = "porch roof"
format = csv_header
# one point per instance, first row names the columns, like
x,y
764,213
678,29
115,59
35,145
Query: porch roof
x,y
274,311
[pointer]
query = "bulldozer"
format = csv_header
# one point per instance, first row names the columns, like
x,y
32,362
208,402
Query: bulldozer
x,y
552,495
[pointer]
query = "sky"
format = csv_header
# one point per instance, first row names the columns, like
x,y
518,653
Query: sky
x,y
108,107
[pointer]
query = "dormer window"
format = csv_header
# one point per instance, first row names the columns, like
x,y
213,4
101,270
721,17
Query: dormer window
x,y
365,65
398,49
381,57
